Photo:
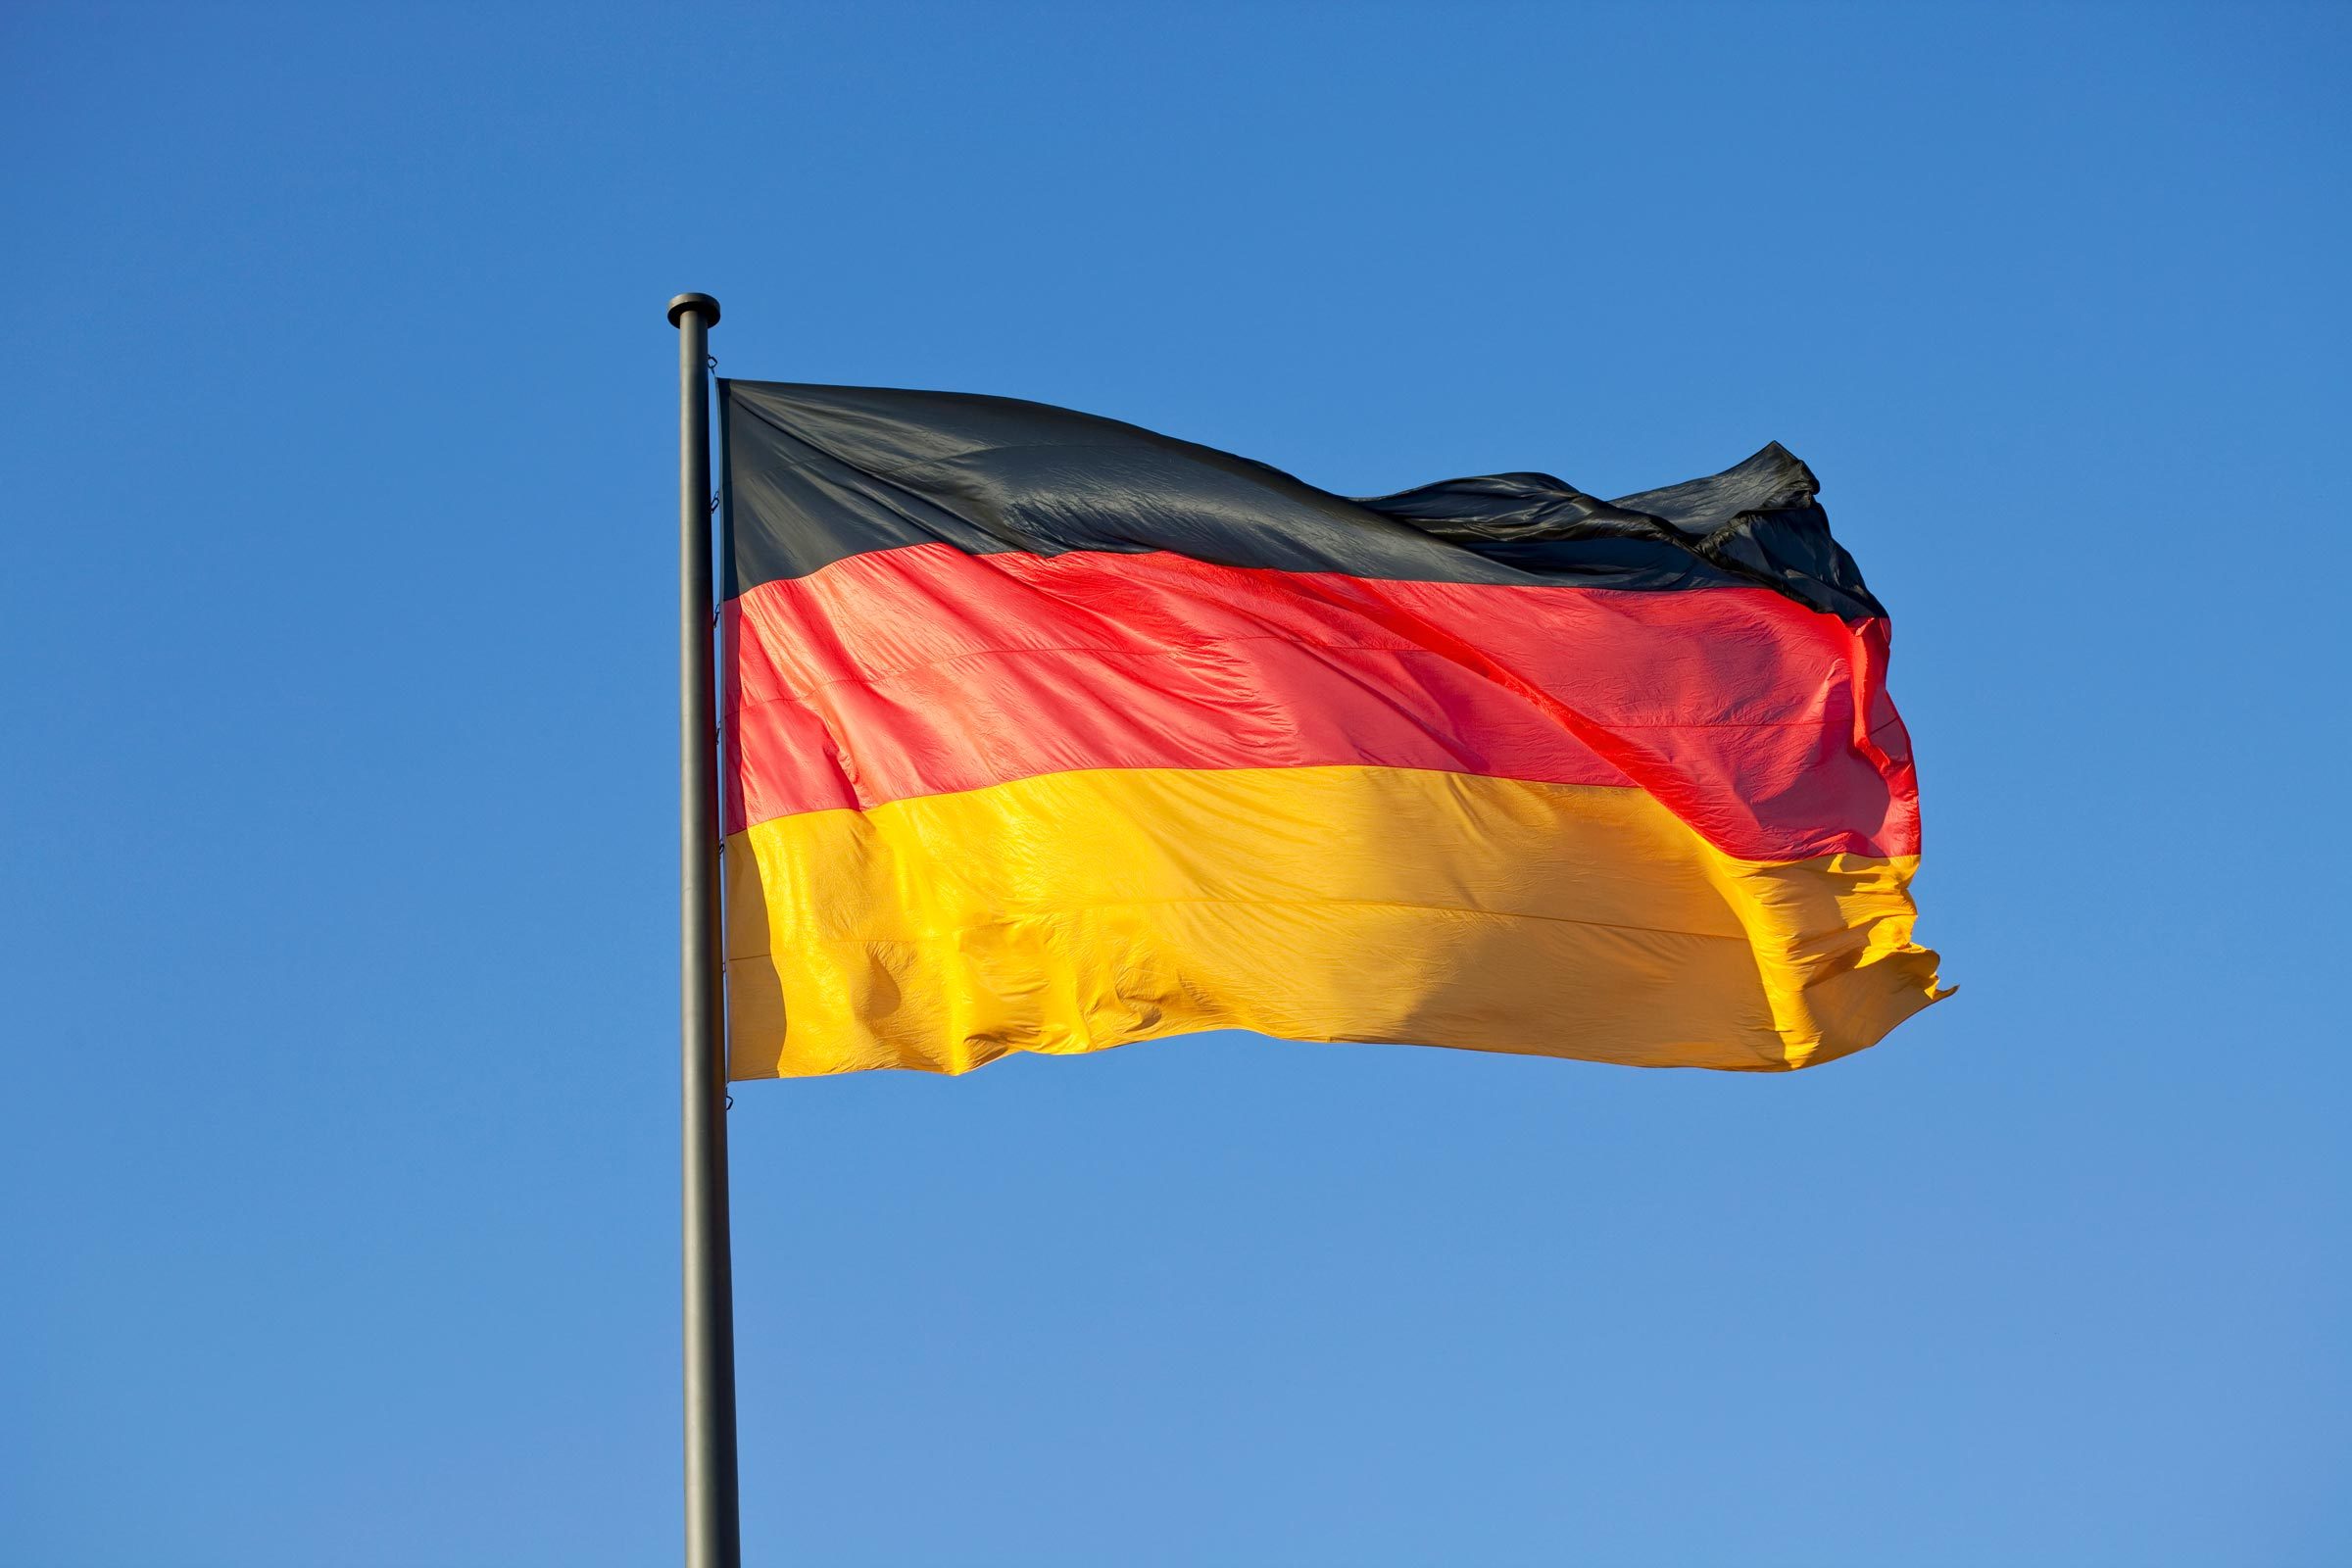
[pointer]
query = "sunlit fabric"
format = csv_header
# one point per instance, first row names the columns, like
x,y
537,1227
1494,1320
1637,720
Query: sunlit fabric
x,y
1048,733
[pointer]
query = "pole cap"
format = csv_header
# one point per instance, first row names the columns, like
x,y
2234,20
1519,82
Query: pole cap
x,y
703,302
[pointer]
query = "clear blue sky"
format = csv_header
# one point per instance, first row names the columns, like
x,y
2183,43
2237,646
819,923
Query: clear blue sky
x,y
336,1151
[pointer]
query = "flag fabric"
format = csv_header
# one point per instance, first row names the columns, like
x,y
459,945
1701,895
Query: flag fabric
x,y
1044,732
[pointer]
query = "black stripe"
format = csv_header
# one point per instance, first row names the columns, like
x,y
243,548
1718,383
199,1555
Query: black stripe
x,y
815,474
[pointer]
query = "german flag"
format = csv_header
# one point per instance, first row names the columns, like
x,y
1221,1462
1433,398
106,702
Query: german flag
x,y
1048,733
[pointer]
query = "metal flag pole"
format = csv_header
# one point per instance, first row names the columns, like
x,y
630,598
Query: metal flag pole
x,y
712,1533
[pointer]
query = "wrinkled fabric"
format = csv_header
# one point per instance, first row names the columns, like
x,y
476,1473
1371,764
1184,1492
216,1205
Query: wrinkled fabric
x,y
816,474
1045,732
1072,911
921,670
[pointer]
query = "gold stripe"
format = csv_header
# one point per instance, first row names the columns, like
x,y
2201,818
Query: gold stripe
x,y
1081,910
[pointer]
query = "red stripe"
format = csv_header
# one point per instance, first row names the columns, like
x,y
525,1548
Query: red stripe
x,y
924,671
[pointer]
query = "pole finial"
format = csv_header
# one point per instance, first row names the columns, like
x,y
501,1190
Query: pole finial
x,y
702,303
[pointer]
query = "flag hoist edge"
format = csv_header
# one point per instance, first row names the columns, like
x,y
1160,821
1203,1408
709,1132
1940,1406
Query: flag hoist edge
x,y
1045,732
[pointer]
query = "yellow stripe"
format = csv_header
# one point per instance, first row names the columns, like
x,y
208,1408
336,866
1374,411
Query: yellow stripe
x,y
1081,910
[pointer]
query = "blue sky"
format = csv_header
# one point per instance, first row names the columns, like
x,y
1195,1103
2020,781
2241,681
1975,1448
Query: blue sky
x,y
337,1163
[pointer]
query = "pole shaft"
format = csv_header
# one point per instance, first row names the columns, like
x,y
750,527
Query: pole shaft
x,y
713,1536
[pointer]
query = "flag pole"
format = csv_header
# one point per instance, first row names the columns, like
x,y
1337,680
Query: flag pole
x,y
713,1536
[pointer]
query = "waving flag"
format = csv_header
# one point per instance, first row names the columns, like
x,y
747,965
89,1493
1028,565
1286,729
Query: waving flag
x,y
1048,733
